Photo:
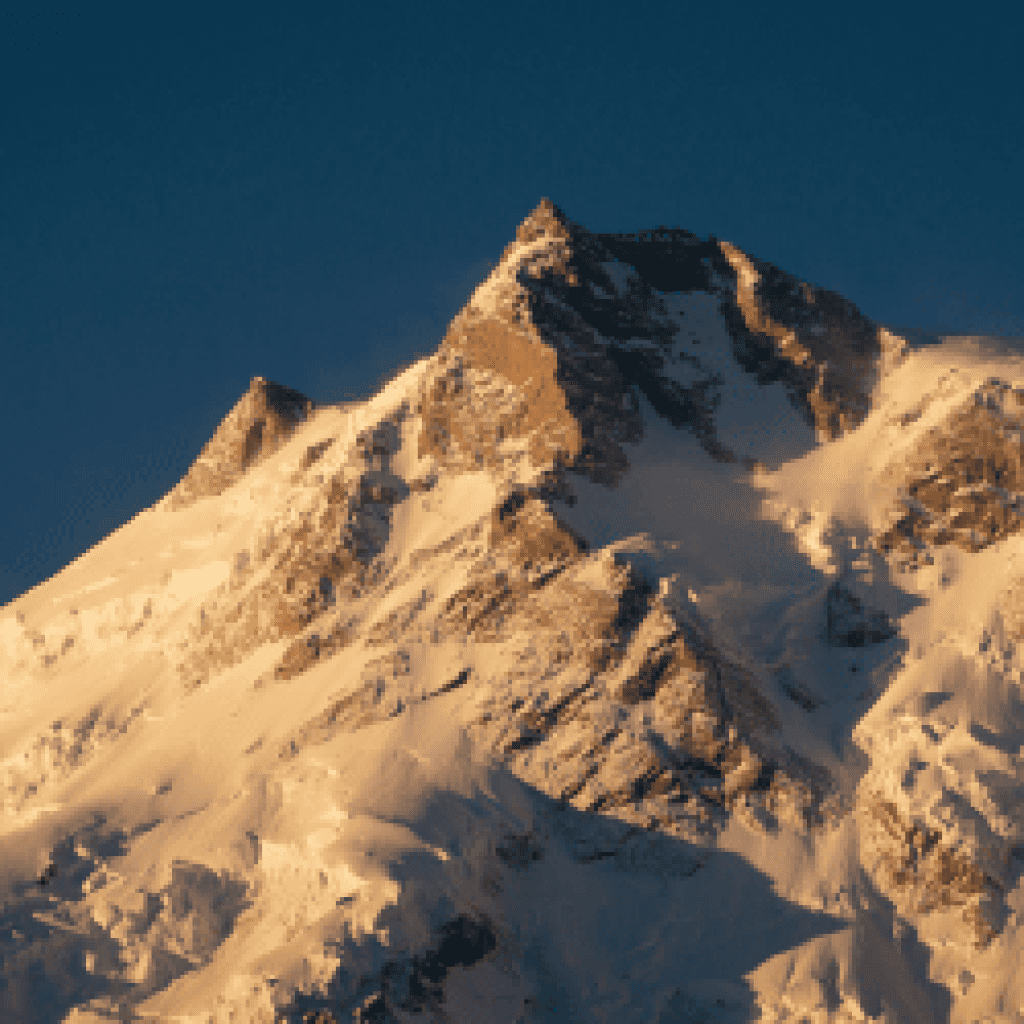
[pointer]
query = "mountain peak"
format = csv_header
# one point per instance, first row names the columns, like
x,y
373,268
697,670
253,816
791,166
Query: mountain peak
x,y
546,220
256,426
588,636
598,318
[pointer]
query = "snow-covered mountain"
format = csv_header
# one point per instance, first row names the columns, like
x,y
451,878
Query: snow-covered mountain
x,y
648,653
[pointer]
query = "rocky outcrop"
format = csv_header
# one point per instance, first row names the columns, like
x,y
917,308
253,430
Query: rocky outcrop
x,y
964,484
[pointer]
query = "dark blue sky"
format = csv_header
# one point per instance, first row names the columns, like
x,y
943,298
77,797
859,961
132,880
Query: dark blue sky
x,y
190,199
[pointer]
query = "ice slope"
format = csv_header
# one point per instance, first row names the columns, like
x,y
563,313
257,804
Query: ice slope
x,y
648,653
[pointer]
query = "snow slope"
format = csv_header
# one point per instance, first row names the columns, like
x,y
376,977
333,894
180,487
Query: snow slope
x,y
648,653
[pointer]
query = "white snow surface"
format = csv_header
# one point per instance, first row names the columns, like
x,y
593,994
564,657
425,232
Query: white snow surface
x,y
197,874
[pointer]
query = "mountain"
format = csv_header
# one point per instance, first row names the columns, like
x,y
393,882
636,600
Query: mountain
x,y
649,653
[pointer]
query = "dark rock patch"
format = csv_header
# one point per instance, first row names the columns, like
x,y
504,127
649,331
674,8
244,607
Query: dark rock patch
x,y
850,625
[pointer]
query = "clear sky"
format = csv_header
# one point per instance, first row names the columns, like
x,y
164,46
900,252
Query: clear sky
x,y
189,199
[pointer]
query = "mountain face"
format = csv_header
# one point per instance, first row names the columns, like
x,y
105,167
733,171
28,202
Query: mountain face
x,y
647,653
